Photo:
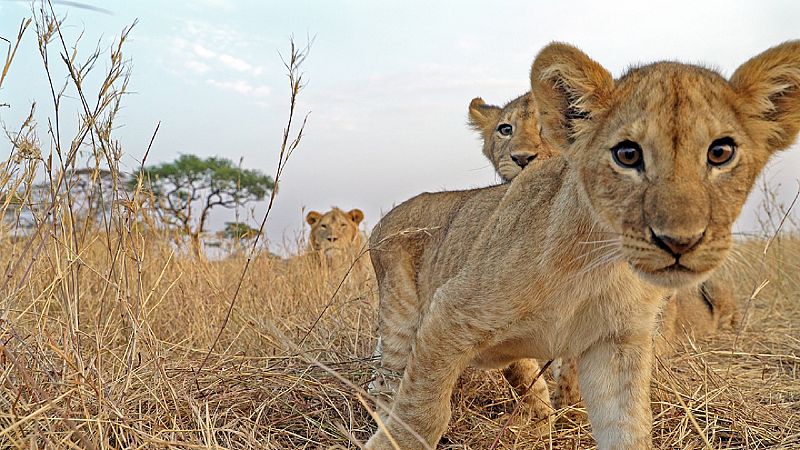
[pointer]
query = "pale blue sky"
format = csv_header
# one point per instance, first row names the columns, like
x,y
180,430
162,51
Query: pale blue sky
x,y
389,82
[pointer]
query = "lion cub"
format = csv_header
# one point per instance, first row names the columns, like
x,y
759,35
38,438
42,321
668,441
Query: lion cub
x,y
511,134
511,140
574,258
517,145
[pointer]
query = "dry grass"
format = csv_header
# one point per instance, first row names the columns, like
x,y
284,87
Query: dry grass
x,y
105,328
127,377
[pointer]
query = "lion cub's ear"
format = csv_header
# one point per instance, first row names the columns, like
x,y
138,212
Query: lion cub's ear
x,y
570,89
482,117
355,215
313,217
769,85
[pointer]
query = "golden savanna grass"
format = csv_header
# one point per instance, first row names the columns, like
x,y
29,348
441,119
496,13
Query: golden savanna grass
x,y
112,336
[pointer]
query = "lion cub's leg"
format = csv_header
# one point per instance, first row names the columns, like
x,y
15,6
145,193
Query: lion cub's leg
x,y
614,376
384,380
567,392
398,317
723,304
422,402
451,335
520,375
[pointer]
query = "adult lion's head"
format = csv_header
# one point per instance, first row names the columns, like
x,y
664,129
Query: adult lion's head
x,y
511,134
667,154
335,231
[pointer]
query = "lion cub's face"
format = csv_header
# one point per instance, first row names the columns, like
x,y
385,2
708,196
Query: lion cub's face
x,y
669,168
668,153
511,134
334,231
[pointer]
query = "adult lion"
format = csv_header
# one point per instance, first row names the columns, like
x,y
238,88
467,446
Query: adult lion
x,y
335,236
573,259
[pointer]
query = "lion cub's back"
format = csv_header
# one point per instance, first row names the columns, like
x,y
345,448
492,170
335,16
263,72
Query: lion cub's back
x,y
412,232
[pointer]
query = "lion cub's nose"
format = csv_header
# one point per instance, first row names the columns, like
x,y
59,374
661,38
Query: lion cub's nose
x,y
676,246
332,238
523,159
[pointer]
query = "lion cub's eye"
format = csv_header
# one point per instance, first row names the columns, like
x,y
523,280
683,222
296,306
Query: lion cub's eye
x,y
628,154
721,151
505,129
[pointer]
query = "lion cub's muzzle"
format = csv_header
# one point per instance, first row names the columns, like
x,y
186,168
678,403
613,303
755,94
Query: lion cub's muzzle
x,y
522,159
676,246
673,260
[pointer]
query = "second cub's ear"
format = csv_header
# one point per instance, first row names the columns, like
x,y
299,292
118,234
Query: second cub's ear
x,y
355,215
769,85
313,217
571,89
482,117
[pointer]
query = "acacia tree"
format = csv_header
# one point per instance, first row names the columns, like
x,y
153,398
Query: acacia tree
x,y
239,231
187,189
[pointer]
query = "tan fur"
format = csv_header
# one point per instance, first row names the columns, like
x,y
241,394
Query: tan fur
x,y
520,113
335,236
509,154
561,262
692,311
696,312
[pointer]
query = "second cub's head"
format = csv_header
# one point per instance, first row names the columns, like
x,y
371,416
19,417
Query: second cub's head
x,y
511,134
667,154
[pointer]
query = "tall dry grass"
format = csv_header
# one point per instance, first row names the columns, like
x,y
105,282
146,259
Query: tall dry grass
x,y
111,337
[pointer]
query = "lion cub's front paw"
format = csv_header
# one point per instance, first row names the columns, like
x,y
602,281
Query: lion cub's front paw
x,y
535,409
563,397
379,441
570,406
536,414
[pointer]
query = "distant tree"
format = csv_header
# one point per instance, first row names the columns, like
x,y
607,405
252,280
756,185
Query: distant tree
x,y
239,231
92,192
187,189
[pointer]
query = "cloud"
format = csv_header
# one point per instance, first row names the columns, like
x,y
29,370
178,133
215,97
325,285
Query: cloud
x,y
239,65
226,60
217,55
261,91
220,55
216,35
197,67
240,87
224,5
203,52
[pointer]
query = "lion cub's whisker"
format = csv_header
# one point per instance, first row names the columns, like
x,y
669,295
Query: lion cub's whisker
x,y
605,259
594,250
617,240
